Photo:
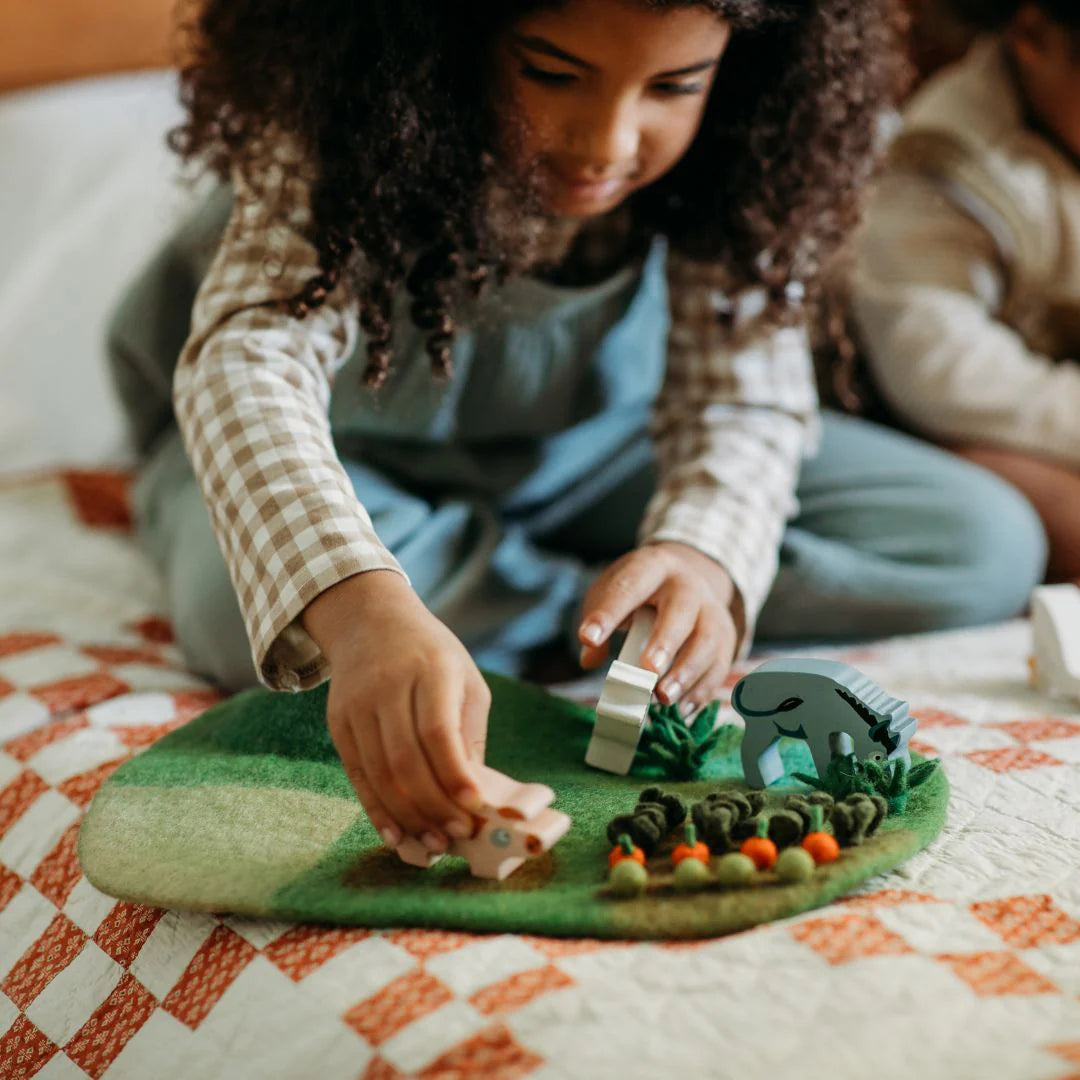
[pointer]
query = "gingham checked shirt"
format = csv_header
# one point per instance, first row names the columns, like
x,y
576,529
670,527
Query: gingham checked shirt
x,y
252,391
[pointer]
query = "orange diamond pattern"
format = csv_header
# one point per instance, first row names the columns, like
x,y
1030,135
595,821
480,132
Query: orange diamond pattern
x,y
100,499
991,974
115,654
155,629
43,961
555,948
6,688
211,972
304,949
123,932
82,788
492,1054
192,703
10,883
1026,922
888,898
10,644
24,1051
848,938
26,746
1069,1051
517,991
402,1002
1045,727
59,872
380,1069
18,797
95,1046
1011,758
424,944
80,692
136,737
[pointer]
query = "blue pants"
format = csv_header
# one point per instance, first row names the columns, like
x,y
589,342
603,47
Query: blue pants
x,y
893,537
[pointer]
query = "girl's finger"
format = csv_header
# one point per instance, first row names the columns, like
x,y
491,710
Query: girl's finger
x,y
380,771
409,761
705,691
617,595
439,733
474,718
677,610
698,654
380,817
708,687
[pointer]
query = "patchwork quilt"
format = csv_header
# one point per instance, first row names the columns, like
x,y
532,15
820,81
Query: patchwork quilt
x,y
965,962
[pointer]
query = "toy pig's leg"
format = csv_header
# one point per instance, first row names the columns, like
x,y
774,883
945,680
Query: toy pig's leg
x,y
760,755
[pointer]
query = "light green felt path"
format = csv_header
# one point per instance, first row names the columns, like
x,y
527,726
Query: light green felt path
x,y
248,810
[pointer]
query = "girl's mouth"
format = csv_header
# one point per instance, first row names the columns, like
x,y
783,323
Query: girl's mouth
x,y
579,193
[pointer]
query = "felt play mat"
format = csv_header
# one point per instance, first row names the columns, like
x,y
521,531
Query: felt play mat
x,y
961,964
248,810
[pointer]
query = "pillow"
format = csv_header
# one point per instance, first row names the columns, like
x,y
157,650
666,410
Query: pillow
x,y
88,189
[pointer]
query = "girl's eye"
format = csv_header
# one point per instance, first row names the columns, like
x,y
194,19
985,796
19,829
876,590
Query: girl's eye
x,y
675,89
548,78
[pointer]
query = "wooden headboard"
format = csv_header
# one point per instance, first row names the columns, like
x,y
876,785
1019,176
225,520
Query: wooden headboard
x,y
45,40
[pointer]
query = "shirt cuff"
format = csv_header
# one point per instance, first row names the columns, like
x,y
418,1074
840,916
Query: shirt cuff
x,y
286,655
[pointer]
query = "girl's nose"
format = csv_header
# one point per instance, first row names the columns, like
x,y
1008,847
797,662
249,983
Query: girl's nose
x,y
607,139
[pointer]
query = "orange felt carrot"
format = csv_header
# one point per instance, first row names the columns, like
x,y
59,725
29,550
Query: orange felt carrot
x,y
821,845
760,848
693,848
625,850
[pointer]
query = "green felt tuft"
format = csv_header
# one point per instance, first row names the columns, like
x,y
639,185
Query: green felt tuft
x,y
247,809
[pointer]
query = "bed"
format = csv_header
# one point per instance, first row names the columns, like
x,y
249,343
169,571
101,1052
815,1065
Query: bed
x,y
963,963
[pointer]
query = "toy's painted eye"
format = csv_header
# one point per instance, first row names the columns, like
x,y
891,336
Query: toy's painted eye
x,y
789,705
877,755
500,837
533,845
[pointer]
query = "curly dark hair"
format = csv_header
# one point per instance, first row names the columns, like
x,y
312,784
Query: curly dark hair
x,y
389,101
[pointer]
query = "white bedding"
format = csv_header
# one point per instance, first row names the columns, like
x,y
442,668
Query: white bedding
x,y
87,190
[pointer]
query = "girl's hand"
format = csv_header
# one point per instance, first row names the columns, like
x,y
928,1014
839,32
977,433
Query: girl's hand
x,y
407,710
695,635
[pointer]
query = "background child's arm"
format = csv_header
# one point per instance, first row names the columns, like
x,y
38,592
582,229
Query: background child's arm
x,y
929,285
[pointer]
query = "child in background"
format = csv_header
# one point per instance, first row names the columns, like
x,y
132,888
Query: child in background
x,y
967,293
499,337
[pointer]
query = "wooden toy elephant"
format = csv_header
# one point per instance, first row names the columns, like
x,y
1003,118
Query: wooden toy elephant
x,y
833,706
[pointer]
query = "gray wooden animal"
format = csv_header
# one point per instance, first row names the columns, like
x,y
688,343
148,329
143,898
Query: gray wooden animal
x,y
833,706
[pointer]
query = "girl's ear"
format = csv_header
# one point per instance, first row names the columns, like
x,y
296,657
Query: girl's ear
x,y
1036,39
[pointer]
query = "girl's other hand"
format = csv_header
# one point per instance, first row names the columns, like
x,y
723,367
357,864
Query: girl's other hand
x,y
695,636
407,709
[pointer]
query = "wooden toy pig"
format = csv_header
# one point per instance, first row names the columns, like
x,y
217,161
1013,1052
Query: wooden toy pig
x,y
516,824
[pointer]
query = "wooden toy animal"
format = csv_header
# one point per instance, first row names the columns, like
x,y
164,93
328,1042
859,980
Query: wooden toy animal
x,y
833,706
1055,632
515,824
623,709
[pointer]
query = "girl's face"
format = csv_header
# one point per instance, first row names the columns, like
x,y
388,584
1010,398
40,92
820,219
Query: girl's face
x,y
605,96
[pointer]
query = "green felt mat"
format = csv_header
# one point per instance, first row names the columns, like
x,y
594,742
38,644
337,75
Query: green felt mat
x,y
247,810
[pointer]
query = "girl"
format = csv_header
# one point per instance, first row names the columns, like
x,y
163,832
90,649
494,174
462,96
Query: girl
x,y
527,227
968,290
